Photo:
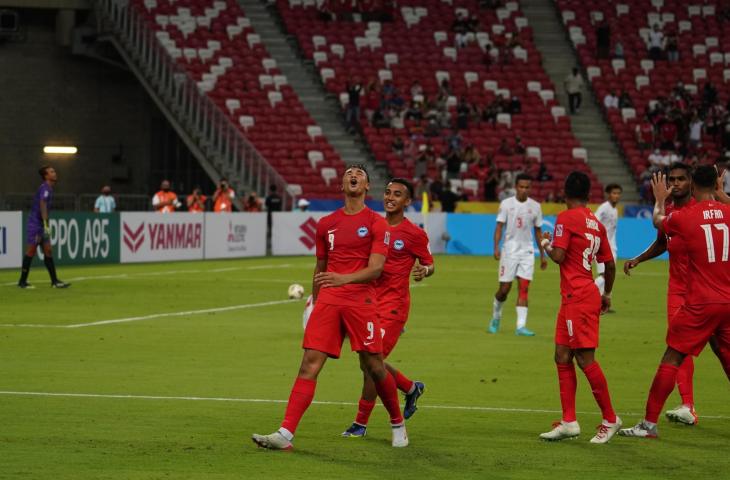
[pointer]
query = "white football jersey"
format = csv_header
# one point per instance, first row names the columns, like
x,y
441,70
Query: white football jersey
x,y
520,219
608,216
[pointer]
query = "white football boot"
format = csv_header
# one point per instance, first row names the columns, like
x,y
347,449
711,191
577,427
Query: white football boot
x,y
273,441
606,431
561,431
400,436
682,414
640,430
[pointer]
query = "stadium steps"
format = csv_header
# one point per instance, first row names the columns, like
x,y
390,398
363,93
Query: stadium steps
x,y
588,126
303,78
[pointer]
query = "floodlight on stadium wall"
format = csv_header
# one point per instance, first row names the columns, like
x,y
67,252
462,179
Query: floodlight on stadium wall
x,y
59,150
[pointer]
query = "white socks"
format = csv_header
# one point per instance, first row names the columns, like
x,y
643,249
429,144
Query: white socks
x,y
521,317
286,434
497,309
600,282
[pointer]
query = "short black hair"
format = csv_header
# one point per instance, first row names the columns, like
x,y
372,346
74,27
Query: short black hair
x,y
613,186
405,183
43,171
522,176
359,166
705,176
681,166
272,187
578,186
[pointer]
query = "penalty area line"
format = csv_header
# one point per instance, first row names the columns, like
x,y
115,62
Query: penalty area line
x,y
156,315
316,402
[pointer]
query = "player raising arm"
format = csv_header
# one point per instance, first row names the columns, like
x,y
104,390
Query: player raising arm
x,y
408,243
702,229
519,216
579,240
351,246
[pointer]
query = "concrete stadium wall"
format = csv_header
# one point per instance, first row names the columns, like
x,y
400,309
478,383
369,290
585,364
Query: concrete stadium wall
x,y
49,96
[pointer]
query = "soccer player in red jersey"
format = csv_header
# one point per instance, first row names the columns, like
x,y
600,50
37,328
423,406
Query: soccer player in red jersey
x,y
408,243
351,245
704,231
579,239
680,182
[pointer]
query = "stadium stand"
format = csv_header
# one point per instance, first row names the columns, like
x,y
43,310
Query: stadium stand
x,y
216,45
667,86
486,63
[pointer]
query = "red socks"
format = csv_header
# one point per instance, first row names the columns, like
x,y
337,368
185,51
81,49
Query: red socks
x,y
568,384
684,380
599,387
404,383
661,388
300,398
388,393
364,409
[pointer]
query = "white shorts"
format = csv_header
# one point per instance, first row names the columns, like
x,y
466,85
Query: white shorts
x,y
521,264
600,268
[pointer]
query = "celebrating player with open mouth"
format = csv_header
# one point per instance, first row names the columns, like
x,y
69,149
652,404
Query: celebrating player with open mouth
x,y
351,245
408,243
519,216
703,230
579,239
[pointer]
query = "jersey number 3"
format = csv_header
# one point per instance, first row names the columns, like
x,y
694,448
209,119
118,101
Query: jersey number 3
x,y
711,244
590,252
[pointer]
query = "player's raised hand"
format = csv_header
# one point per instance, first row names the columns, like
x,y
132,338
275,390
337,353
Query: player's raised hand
x,y
629,264
546,236
720,186
659,187
419,272
329,279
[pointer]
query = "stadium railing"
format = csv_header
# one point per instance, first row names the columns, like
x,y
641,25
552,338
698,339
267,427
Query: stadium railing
x,y
79,203
223,143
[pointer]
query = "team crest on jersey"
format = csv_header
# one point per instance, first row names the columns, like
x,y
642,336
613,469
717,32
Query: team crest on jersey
x,y
559,230
362,232
399,244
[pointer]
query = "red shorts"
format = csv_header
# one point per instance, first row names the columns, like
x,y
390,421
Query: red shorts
x,y
577,325
674,303
692,327
328,325
393,317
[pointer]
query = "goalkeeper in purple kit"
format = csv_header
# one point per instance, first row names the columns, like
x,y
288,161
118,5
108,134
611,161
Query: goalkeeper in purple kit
x,y
38,230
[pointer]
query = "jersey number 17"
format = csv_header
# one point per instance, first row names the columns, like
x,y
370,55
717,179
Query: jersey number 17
x,y
711,245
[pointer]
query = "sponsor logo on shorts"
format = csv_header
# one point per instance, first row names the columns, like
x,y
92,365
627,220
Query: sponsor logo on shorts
x,y
399,244
362,231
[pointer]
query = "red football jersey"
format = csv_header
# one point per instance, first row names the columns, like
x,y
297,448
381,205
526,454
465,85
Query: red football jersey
x,y
583,237
346,242
408,242
677,256
704,232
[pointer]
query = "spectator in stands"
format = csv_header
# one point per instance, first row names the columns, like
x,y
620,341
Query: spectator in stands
x,y
542,174
491,181
506,185
471,155
352,116
105,203
223,197
454,141
573,84
713,120
302,205
610,100
444,88
436,189
624,101
432,128
196,201
618,49
490,112
656,42
425,159
253,203
453,163
380,119
448,200
695,132
397,114
709,95
460,27
644,134
504,148
398,146
515,106
416,88
415,111
372,101
165,201
668,135
603,40
520,148
463,112
672,47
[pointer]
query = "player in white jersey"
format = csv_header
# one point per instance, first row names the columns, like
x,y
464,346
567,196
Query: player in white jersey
x,y
520,217
607,214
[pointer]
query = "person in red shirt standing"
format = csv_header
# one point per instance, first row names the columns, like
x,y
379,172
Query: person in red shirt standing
x,y
223,197
704,232
408,243
351,245
579,240
680,182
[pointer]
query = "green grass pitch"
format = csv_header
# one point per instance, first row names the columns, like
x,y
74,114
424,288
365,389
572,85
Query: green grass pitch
x,y
487,397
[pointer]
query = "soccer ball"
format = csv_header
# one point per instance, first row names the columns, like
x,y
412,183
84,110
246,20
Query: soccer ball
x,y
296,291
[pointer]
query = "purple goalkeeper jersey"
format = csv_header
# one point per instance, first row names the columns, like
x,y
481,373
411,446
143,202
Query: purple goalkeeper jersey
x,y
35,220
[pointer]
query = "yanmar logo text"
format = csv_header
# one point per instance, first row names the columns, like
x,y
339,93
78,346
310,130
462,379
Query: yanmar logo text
x,y
163,236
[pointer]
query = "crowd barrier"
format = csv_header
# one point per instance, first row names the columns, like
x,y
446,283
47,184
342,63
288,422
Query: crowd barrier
x,y
87,238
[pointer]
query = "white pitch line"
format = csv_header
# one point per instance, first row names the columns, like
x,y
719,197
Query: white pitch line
x,y
154,316
317,402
